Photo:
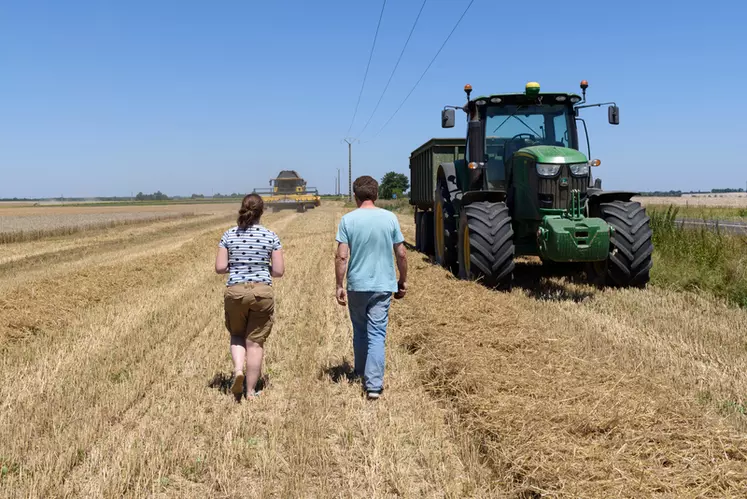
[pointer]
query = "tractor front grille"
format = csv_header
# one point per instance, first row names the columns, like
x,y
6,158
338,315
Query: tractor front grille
x,y
554,193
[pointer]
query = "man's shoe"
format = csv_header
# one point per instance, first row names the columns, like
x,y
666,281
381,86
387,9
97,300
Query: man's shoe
x,y
373,394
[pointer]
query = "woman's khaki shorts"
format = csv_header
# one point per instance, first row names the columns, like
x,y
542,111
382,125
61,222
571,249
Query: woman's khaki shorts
x,y
250,307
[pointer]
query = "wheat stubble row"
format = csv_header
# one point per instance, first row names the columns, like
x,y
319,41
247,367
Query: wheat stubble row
x,y
122,405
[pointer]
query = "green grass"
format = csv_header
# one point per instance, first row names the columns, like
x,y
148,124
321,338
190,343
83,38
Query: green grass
x,y
698,259
395,205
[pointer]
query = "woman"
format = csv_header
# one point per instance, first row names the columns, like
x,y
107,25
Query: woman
x,y
252,256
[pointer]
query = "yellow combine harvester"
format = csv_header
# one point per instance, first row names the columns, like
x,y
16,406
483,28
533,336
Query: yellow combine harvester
x,y
289,191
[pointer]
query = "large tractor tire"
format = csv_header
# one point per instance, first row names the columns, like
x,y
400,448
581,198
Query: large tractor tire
x,y
629,262
301,208
445,228
486,244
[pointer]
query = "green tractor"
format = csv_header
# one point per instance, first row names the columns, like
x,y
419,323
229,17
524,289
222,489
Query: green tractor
x,y
519,185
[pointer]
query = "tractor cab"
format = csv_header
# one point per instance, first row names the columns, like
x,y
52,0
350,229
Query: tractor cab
x,y
288,182
526,145
513,122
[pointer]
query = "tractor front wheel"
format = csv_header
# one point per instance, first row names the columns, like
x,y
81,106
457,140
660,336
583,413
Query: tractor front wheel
x,y
486,245
629,261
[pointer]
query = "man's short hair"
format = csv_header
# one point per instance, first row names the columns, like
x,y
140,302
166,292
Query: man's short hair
x,y
366,188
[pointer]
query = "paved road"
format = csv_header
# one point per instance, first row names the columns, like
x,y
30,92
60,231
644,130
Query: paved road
x,y
723,225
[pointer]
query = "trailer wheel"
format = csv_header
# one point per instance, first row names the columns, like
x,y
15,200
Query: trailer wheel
x,y
445,229
486,244
426,232
418,234
629,262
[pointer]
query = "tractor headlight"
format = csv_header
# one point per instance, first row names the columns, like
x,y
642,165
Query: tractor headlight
x,y
545,170
580,169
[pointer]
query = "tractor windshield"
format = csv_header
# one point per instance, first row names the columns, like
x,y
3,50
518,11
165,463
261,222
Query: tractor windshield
x,y
509,128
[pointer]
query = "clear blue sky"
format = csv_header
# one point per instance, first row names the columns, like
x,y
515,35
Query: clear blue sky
x,y
106,98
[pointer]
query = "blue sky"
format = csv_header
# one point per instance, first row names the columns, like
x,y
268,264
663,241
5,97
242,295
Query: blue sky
x,y
109,98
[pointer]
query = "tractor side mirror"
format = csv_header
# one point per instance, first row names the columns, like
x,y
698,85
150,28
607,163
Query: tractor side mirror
x,y
613,115
447,118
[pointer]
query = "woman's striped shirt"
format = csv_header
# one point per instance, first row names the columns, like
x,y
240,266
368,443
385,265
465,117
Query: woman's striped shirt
x,y
249,253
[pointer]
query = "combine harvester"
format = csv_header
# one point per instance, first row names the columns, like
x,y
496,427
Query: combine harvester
x,y
289,192
519,185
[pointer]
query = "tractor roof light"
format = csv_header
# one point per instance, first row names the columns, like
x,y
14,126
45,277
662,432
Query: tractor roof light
x,y
481,102
468,90
532,88
495,100
584,84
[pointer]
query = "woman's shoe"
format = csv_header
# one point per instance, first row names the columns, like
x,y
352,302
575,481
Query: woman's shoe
x,y
238,384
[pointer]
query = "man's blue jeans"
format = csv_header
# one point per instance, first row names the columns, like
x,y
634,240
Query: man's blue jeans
x,y
369,313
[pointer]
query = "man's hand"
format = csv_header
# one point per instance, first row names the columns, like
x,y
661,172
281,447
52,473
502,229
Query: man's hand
x,y
342,296
401,290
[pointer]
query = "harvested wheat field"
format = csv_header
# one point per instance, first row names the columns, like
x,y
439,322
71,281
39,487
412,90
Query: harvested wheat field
x,y
726,200
115,368
23,223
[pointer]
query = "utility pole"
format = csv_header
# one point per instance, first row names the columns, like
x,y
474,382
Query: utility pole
x,y
349,142
338,182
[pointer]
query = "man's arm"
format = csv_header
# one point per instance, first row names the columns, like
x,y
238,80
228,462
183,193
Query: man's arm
x,y
341,265
401,254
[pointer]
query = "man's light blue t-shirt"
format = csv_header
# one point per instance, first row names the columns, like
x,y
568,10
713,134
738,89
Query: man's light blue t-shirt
x,y
371,233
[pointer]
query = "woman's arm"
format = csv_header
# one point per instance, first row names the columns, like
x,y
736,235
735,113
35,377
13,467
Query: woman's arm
x,y
278,263
221,261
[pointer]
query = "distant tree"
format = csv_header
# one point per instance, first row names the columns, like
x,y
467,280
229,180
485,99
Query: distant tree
x,y
156,196
198,196
724,191
393,183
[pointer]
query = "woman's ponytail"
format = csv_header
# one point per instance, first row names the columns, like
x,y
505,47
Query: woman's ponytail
x,y
251,210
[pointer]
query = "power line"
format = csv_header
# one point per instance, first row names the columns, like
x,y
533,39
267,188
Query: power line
x,y
365,75
396,65
426,69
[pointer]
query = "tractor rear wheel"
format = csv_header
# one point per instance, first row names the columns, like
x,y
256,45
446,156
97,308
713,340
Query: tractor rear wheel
x,y
629,261
301,208
486,244
445,229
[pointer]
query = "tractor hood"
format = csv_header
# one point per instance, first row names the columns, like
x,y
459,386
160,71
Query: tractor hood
x,y
554,154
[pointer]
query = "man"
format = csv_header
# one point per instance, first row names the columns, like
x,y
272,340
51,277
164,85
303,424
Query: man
x,y
366,238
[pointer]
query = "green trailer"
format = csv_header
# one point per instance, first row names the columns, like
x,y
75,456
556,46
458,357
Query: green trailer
x,y
424,163
519,185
